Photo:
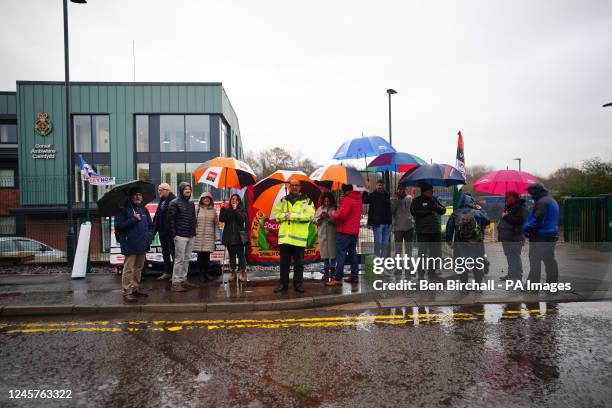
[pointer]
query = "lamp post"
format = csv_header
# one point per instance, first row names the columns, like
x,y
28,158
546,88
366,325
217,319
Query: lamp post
x,y
69,178
519,161
390,92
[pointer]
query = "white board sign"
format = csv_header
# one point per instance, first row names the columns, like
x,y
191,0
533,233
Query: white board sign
x,y
79,267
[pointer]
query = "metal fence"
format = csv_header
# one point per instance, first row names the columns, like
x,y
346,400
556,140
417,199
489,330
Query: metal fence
x,y
588,219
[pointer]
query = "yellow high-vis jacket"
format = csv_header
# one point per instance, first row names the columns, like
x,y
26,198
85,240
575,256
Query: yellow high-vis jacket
x,y
295,230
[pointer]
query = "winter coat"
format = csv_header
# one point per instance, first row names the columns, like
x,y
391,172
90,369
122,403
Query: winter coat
x,y
234,222
402,218
160,220
134,235
182,216
510,227
379,211
543,220
467,205
206,229
426,212
348,214
327,233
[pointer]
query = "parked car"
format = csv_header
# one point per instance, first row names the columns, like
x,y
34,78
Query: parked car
x,y
19,246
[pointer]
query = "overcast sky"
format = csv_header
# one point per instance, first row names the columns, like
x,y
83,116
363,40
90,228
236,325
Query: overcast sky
x,y
518,78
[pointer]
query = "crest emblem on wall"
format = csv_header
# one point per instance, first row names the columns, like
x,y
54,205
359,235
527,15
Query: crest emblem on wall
x,y
43,126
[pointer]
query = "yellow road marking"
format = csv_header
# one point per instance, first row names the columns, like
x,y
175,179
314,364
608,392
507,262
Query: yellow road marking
x,y
106,326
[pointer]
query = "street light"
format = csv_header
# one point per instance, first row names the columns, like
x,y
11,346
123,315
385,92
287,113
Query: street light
x,y
390,92
70,233
519,160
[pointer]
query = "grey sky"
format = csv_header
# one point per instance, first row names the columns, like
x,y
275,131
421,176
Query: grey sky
x,y
518,78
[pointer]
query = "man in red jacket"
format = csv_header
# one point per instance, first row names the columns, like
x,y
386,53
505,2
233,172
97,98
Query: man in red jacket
x,y
347,217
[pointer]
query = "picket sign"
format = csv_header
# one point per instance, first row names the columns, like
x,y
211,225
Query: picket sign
x,y
79,267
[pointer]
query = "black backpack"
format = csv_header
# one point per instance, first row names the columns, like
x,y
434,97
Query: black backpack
x,y
467,228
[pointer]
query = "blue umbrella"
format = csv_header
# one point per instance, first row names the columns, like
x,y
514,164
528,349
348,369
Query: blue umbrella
x,y
363,147
435,174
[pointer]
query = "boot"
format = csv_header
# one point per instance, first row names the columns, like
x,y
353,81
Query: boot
x,y
233,277
244,278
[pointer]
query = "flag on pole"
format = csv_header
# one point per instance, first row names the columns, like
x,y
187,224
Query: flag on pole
x,y
460,163
88,174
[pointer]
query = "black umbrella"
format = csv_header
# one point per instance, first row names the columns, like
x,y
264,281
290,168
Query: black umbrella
x,y
114,201
434,174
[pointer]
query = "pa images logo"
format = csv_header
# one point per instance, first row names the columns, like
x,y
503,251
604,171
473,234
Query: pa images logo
x,y
43,126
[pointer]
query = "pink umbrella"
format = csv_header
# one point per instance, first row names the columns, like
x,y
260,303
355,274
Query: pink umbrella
x,y
501,181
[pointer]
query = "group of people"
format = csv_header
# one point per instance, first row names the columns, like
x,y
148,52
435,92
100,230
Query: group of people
x,y
185,227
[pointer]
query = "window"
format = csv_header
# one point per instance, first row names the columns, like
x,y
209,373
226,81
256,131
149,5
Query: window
x,y
142,133
175,173
28,245
197,133
179,133
101,135
8,133
7,178
91,133
223,136
82,133
8,226
7,245
142,170
172,133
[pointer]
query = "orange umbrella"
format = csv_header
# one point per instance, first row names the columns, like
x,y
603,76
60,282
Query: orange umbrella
x,y
267,193
225,172
333,176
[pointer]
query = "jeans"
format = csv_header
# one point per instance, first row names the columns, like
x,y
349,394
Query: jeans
x,y
287,253
132,271
329,263
512,250
381,240
346,245
543,252
429,246
403,238
471,250
236,251
167,245
182,249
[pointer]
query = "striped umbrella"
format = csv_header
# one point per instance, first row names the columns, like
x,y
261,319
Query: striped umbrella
x,y
225,172
267,193
398,161
434,174
333,176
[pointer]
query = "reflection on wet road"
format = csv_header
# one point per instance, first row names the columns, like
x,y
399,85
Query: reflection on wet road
x,y
539,354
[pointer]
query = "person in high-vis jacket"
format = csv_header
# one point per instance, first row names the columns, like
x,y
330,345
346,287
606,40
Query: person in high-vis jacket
x,y
294,213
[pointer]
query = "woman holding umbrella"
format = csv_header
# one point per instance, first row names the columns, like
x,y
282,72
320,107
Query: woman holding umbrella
x,y
327,233
235,236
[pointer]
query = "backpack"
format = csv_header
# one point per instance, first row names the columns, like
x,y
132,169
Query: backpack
x,y
467,228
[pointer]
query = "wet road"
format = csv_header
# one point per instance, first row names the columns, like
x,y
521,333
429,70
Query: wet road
x,y
540,354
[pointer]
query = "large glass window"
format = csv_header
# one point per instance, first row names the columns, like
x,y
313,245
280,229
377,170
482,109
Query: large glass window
x,y
142,170
175,173
8,133
142,133
101,134
7,178
172,133
197,133
82,133
223,136
198,188
91,133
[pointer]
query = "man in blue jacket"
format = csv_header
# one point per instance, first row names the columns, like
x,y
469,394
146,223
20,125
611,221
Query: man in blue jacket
x,y
542,229
134,228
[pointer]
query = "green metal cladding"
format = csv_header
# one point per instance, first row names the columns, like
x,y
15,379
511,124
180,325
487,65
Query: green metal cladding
x,y
121,101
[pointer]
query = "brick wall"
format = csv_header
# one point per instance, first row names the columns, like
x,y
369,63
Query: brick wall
x,y
9,198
